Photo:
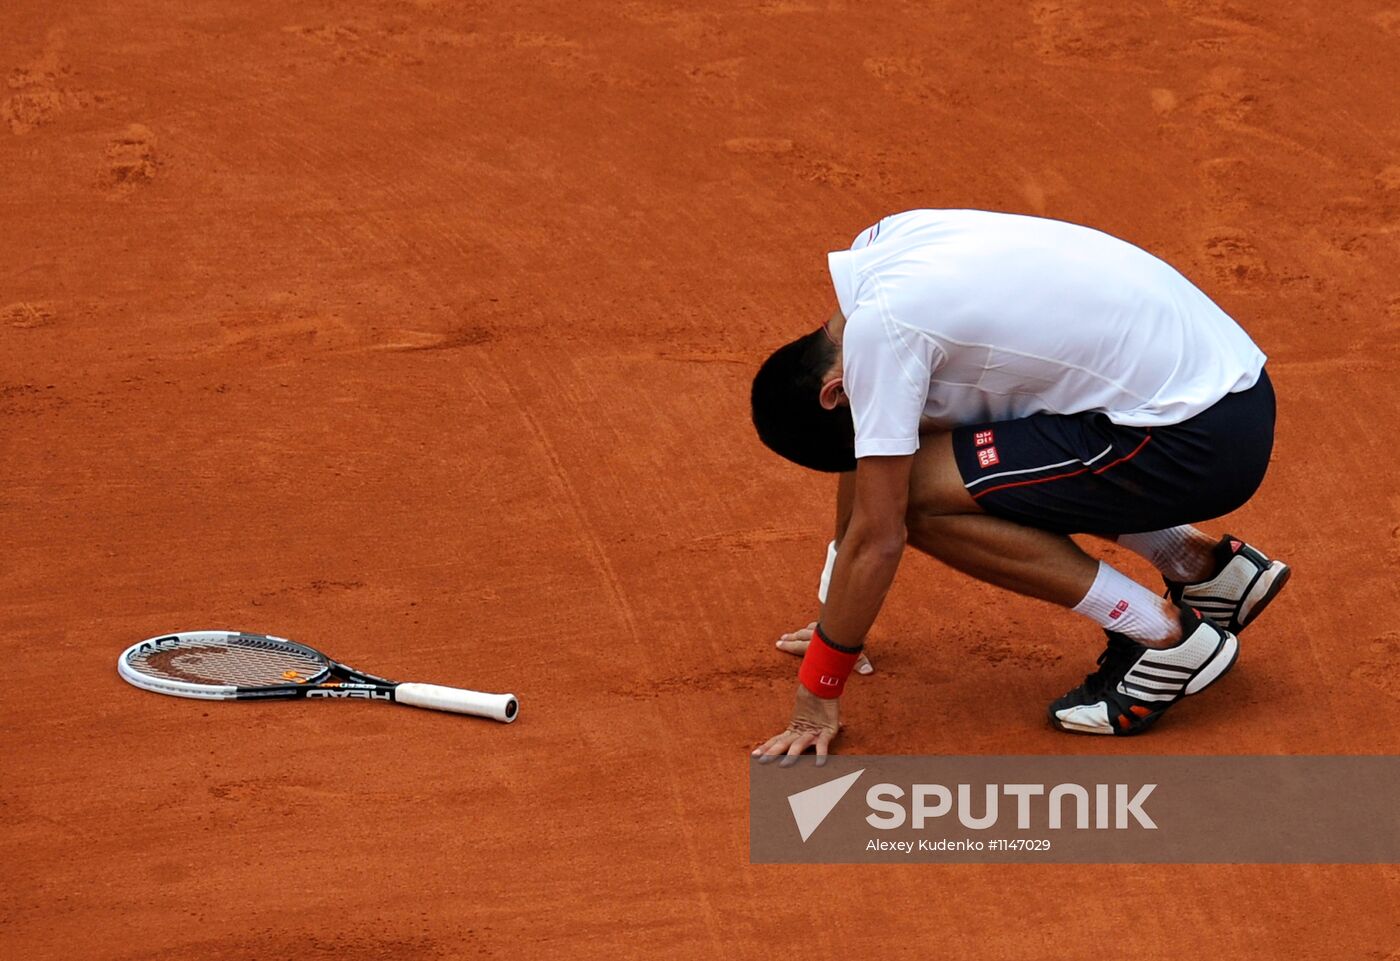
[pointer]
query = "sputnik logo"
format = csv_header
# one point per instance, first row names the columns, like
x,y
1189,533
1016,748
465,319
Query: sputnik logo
x,y
810,807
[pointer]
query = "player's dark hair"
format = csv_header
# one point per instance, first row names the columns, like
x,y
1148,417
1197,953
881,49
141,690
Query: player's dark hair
x,y
787,411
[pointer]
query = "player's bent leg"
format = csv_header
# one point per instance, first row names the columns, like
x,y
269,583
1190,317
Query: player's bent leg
x,y
1156,654
1038,564
945,522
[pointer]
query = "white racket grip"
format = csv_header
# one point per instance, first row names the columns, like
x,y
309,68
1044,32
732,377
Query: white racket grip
x,y
826,572
499,707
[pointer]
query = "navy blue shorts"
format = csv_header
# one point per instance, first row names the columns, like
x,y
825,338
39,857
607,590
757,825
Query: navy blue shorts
x,y
1083,474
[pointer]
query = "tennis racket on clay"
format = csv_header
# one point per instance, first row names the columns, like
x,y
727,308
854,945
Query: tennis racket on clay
x,y
237,666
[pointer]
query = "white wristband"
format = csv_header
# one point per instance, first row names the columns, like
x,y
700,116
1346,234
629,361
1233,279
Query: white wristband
x,y
826,572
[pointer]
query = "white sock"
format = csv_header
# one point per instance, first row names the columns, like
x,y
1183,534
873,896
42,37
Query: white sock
x,y
1119,604
1176,551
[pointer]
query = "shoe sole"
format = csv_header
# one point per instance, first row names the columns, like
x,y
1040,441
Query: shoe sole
x,y
1266,588
1230,650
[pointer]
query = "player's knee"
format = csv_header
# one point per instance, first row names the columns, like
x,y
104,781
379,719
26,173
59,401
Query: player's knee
x,y
934,497
925,511
928,529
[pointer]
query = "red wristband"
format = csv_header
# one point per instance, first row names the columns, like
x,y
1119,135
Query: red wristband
x,y
825,669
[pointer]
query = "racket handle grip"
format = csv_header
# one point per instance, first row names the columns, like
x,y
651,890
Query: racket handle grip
x,y
435,697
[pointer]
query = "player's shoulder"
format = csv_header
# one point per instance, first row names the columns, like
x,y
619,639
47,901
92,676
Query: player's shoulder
x,y
899,226
933,225
942,236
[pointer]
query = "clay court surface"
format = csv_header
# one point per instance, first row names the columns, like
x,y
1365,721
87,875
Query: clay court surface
x,y
422,332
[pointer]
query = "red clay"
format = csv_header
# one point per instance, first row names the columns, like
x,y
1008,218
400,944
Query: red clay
x,y
421,331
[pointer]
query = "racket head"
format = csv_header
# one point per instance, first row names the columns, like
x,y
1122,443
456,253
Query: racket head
x,y
221,665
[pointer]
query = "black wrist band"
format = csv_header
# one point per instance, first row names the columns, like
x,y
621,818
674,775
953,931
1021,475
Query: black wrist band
x,y
834,646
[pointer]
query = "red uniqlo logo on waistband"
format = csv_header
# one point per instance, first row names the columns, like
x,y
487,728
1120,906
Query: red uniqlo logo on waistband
x,y
982,438
1118,610
987,457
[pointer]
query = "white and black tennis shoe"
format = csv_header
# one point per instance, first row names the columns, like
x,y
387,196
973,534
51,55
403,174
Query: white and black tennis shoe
x,y
1244,583
1135,684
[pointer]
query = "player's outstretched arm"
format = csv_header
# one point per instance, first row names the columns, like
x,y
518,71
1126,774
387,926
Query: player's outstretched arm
x,y
865,569
795,642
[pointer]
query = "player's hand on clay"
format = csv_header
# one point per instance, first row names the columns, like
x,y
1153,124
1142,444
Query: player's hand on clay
x,y
796,642
815,721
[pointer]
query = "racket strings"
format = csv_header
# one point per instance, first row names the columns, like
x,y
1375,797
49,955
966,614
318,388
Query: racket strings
x,y
240,661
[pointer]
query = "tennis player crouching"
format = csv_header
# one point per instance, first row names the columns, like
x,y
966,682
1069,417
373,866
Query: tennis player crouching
x,y
992,383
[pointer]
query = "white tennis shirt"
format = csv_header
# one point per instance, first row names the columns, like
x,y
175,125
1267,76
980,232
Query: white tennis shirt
x,y
964,316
